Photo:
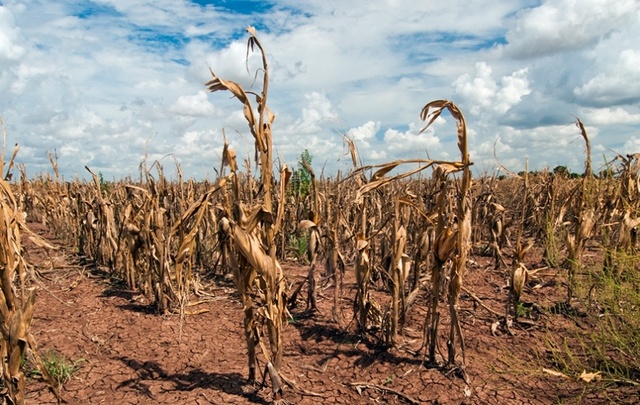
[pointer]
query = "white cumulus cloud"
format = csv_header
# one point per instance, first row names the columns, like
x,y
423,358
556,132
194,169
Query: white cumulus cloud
x,y
619,83
567,25
197,105
482,93
9,36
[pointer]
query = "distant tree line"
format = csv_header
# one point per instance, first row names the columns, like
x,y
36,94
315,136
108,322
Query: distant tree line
x,y
564,171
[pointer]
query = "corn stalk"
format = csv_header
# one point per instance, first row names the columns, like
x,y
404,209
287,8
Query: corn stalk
x,y
399,262
442,246
446,245
584,220
625,210
397,273
252,230
16,307
519,272
313,243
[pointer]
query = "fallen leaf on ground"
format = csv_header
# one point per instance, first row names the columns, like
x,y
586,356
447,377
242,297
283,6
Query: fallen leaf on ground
x,y
555,373
588,377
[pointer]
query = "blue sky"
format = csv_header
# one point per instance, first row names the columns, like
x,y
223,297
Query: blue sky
x,y
106,83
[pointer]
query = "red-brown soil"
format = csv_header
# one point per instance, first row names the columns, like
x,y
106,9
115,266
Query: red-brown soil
x,y
129,354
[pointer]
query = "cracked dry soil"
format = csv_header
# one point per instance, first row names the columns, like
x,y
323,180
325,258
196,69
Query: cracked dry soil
x,y
129,354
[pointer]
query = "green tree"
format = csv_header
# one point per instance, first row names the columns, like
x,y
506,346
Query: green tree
x,y
301,177
561,170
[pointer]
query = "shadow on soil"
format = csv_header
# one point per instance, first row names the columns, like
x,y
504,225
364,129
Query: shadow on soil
x,y
150,309
348,341
117,287
150,371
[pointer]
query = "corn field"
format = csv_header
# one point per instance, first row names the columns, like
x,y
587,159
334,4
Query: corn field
x,y
406,231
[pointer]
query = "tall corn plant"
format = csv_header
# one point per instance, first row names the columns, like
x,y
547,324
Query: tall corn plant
x,y
16,307
157,273
101,220
363,306
185,230
251,231
585,218
397,262
549,217
454,243
451,243
335,263
519,272
443,245
313,242
397,271
624,210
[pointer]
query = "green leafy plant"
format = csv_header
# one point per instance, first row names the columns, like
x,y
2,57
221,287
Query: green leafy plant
x,y
293,320
522,310
389,379
105,186
301,177
59,367
298,245
611,344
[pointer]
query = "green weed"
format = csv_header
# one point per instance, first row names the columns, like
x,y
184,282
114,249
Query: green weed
x,y
59,367
610,343
298,245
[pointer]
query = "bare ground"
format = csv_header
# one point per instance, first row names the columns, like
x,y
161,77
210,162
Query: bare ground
x,y
126,353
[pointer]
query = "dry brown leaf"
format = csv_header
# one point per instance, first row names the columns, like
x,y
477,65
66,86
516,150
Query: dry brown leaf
x,y
380,173
362,243
494,327
589,377
629,222
555,373
518,280
451,167
306,224
444,244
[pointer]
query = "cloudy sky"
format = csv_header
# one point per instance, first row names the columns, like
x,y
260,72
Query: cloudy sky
x,y
105,83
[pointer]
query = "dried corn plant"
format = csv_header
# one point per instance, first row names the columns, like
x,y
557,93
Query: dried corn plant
x,y
155,273
133,237
622,210
499,239
398,262
397,268
363,307
483,215
549,217
16,307
583,223
450,240
251,231
100,222
311,224
519,272
51,201
420,233
442,246
185,230
491,215
335,261
454,243
422,258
